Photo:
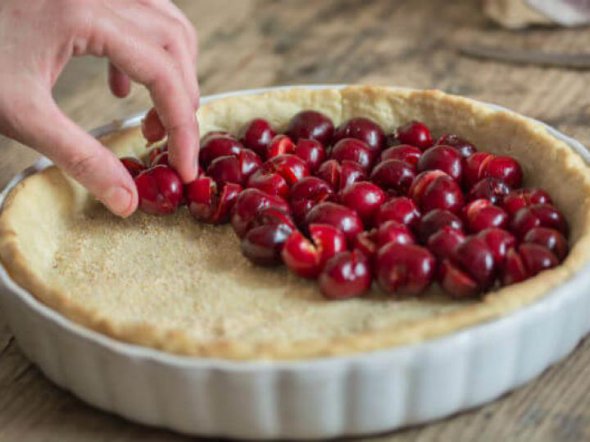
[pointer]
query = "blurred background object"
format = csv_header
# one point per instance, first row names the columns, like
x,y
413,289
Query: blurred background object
x,y
517,14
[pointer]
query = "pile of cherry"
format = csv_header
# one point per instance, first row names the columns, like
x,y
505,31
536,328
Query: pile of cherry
x,y
347,205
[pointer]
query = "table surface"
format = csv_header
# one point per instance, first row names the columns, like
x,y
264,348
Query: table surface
x,y
256,43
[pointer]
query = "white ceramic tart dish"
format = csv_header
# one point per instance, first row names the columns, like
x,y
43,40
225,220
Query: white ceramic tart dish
x,y
228,349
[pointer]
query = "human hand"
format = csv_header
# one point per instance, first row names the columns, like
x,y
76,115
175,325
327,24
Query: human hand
x,y
147,41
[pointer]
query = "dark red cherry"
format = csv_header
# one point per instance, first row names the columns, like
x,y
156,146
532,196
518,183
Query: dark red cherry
x,y
492,189
133,165
249,204
354,150
549,238
312,125
218,146
365,130
400,209
341,175
310,151
365,198
263,244
339,216
403,152
537,215
464,147
444,158
404,269
394,176
345,275
415,133
519,198
435,220
159,190
257,135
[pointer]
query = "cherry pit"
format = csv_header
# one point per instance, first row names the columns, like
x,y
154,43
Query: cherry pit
x,y
353,206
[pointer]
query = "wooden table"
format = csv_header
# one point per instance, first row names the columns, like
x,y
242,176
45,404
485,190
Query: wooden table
x,y
253,43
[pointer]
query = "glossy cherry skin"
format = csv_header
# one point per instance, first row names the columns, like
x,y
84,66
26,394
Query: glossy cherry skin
x,y
472,171
234,168
537,215
273,216
536,258
218,146
133,165
307,258
210,203
290,167
481,214
312,125
257,135
341,217
502,167
249,204
444,242
365,198
305,194
400,209
415,133
403,152
152,128
346,275
394,176
492,189
363,129
310,151
279,145
435,189
454,281
550,239
519,198
354,150
159,190
513,269
499,241
341,175
475,258
444,158
464,147
435,220
269,182
404,269
263,244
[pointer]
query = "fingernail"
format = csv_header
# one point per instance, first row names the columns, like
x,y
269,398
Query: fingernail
x,y
118,200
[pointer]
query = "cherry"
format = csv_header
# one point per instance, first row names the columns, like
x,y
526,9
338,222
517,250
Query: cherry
x,y
154,153
307,193
234,169
218,146
370,241
263,244
310,151
159,190
435,220
400,209
415,133
481,214
152,128
249,204
403,152
513,270
393,175
362,129
311,124
341,175
492,189
455,281
445,158
536,258
133,165
549,238
404,269
269,182
472,172
273,216
445,241
290,167
338,216
503,167
257,135
354,150
537,215
499,241
210,203
365,198
475,258
519,198
308,258
434,189
464,147
279,145
345,275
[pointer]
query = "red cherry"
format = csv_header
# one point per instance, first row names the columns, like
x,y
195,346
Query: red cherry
x,y
550,239
537,215
256,135
365,198
340,175
234,169
404,269
308,258
499,241
464,147
263,244
502,167
393,175
456,282
249,204
290,167
475,258
444,158
415,133
159,190
269,182
210,203
312,125
434,189
218,146
273,216
513,269
401,209
435,220
279,145
152,128
482,214
133,165
310,151
365,130
536,258
392,232
519,198
341,217
305,194
346,275
352,150
472,172
444,242
492,189
403,152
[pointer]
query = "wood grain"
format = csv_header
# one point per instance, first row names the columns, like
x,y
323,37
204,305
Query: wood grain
x,y
253,43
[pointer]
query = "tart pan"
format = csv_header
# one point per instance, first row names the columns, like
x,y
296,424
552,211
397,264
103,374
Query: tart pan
x,y
319,398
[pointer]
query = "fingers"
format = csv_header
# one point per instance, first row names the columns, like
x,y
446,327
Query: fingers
x,y
119,83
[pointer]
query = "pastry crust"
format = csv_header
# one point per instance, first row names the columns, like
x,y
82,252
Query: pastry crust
x,y
48,220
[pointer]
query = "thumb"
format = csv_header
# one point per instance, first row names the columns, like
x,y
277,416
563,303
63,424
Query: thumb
x,y
42,126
